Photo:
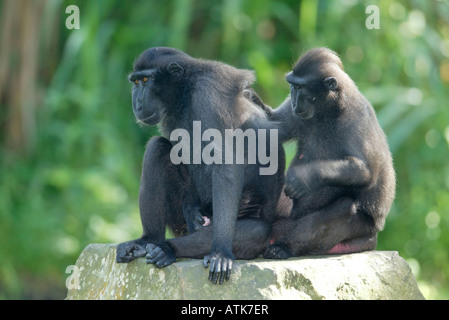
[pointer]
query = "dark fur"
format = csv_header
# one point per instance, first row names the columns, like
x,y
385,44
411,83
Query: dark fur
x,y
181,89
341,179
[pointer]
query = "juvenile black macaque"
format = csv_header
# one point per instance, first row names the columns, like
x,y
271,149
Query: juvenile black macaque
x,y
341,179
177,91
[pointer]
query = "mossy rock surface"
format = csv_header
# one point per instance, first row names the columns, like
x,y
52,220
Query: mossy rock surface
x,y
367,275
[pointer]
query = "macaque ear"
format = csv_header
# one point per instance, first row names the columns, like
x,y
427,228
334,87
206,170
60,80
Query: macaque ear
x,y
330,83
175,69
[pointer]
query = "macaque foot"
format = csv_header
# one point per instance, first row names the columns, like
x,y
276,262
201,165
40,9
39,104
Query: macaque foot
x,y
160,254
128,251
277,251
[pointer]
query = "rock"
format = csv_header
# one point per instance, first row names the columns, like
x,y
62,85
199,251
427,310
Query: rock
x,y
367,275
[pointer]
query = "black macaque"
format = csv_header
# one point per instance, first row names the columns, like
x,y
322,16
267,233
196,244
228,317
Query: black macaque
x,y
228,208
341,179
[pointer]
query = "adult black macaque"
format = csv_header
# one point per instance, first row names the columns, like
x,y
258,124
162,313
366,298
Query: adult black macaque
x,y
341,179
174,90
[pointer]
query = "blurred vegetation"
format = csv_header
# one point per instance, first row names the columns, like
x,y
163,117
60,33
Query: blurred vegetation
x,y
70,150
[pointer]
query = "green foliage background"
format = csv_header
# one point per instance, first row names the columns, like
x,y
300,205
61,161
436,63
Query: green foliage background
x,y
77,182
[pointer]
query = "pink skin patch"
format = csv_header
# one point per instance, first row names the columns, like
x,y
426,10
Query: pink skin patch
x,y
342,248
206,221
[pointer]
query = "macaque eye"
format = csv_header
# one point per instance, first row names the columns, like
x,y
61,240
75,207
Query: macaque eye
x,y
330,83
145,79
136,81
